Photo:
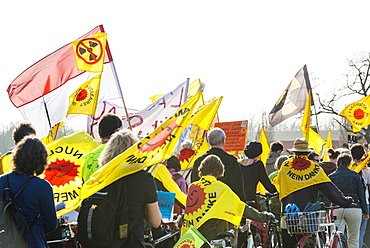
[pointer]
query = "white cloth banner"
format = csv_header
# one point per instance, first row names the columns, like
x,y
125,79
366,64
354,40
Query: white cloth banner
x,y
54,105
145,121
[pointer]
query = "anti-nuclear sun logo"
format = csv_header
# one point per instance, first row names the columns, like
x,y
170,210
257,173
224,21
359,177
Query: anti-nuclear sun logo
x,y
187,243
82,95
300,164
195,200
61,172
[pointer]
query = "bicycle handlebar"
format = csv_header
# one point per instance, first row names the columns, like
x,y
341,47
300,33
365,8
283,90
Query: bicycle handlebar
x,y
267,194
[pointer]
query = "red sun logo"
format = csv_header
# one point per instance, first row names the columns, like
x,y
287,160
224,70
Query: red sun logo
x,y
358,114
186,154
61,172
159,139
300,164
195,200
82,95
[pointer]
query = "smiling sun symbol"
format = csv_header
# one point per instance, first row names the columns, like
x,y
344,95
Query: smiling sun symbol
x,y
195,200
300,164
61,172
82,95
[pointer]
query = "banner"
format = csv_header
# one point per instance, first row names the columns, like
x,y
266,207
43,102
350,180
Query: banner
x,y
236,135
145,121
65,164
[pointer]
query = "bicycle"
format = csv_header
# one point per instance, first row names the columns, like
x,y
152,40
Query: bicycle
x,y
68,238
312,225
273,238
171,230
224,239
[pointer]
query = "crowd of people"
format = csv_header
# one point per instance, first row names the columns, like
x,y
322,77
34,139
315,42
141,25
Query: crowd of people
x,y
300,178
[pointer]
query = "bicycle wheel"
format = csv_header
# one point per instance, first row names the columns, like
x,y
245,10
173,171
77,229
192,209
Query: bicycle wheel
x,y
275,239
342,241
307,242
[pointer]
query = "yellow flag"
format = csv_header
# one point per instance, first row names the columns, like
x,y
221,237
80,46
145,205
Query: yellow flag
x,y
161,172
194,87
265,153
85,99
296,173
359,166
6,163
204,116
199,138
211,199
64,169
265,146
305,126
357,113
154,148
52,133
90,52
316,141
203,119
328,144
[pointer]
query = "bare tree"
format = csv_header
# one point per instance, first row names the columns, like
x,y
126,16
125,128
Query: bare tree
x,y
357,83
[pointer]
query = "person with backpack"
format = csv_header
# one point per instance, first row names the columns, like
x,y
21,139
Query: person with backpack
x,y
31,195
115,216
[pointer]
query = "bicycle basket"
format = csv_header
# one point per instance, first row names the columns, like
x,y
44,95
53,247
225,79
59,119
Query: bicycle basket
x,y
305,222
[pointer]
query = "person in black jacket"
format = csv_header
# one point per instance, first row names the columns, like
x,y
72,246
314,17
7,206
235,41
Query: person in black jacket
x,y
233,176
254,171
349,182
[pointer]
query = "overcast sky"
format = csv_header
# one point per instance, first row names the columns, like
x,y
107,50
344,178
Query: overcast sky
x,y
246,51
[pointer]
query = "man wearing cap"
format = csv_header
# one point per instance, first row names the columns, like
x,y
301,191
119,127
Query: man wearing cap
x,y
233,176
299,181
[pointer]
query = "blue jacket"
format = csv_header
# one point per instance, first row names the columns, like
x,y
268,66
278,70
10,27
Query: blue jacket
x,y
350,183
37,197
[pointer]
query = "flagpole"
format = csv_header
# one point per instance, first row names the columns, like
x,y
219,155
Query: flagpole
x,y
47,112
186,90
120,91
109,54
317,122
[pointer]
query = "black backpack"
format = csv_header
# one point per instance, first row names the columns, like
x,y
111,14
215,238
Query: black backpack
x,y
103,218
13,226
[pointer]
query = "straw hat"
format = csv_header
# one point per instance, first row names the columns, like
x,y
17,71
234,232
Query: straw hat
x,y
300,145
